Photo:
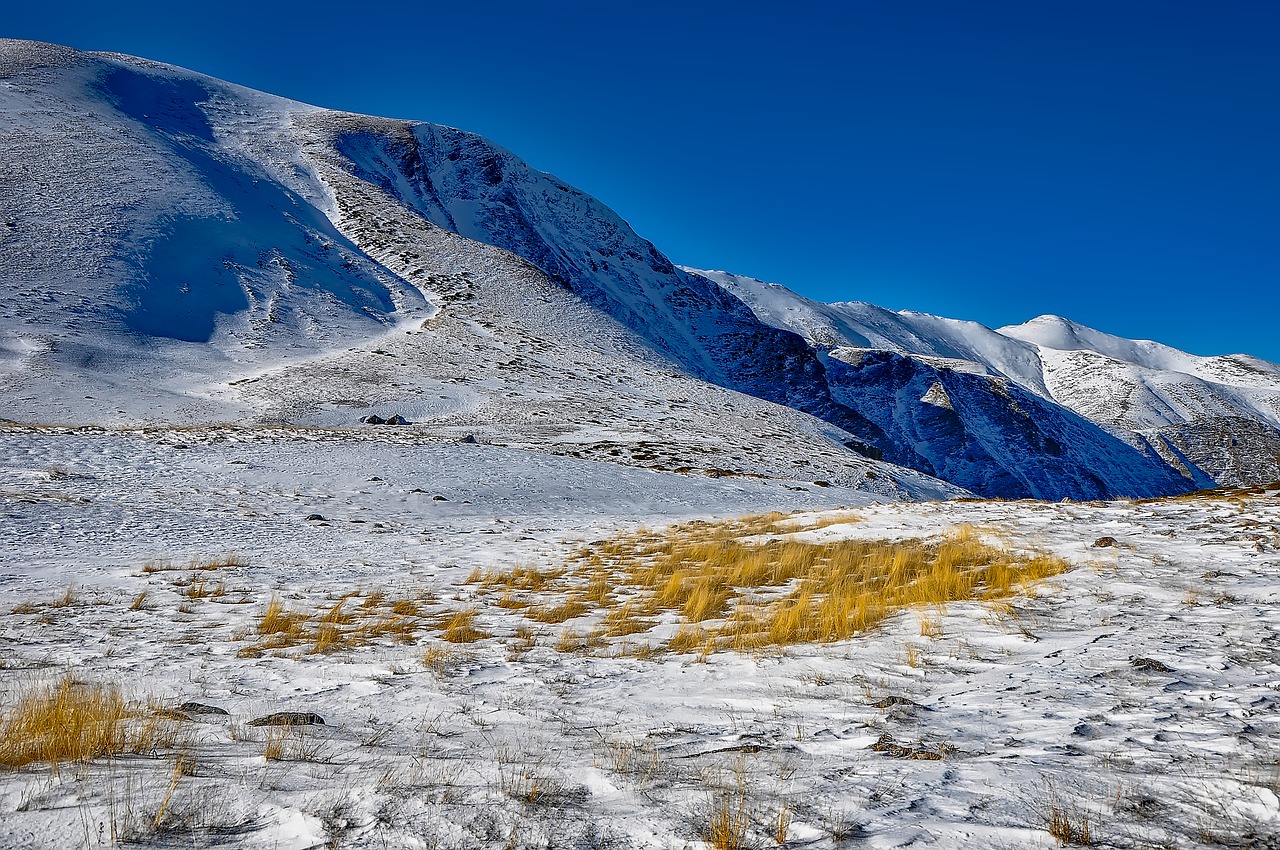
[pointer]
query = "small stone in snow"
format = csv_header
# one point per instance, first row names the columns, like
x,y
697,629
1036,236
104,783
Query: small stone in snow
x,y
891,701
201,708
311,517
438,498
1104,542
1151,665
289,718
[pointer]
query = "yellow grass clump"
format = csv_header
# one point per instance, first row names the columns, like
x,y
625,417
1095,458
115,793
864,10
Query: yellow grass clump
x,y
277,620
340,626
756,582
69,721
460,627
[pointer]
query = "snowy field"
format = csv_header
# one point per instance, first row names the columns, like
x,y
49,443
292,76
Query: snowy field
x,y
1132,701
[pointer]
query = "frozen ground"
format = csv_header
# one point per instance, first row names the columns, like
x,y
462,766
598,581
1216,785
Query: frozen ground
x,y
1037,709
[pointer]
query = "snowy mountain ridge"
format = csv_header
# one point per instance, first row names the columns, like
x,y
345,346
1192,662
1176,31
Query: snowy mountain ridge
x,y
184,250
1220,414
181,250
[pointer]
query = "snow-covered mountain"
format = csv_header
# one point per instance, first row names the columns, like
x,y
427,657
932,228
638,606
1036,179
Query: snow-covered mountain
x,y
1213,419
180,249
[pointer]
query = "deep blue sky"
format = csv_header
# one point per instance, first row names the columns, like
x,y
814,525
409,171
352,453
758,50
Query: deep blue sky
x,y
1114,162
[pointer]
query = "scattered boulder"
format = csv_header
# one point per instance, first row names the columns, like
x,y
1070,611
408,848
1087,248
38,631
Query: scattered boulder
x,y
396,419
470,438
438,498
894,701
311,517
890,747
198,708
1105,542
171,714
1151,665
289,718
373,419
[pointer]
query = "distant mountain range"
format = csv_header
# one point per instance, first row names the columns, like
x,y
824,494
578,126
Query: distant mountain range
x,y
176,249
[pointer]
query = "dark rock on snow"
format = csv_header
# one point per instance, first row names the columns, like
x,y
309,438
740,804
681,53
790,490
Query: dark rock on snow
x,y
289,718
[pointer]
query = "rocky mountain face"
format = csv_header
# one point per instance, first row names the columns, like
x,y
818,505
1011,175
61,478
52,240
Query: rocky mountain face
x,y
1098,407
468,185
987,433
179,249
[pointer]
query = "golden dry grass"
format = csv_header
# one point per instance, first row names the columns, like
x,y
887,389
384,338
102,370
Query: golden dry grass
x,y
438,658
195,564
728,818
69,721
277,620
343,625
559,613
202,589
459,627
1068,827
754,583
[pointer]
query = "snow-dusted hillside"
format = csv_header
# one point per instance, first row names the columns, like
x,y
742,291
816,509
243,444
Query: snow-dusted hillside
x,y
179,249
1213,419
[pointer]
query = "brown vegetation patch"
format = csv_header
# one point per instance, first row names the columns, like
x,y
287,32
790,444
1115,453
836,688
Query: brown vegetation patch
x,y
754,583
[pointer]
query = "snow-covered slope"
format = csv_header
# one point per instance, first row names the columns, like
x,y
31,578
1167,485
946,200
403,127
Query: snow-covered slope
x,y
987,433
1214,419
179,249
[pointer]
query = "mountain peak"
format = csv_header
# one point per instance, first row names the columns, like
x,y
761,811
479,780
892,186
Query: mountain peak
x,y
179,249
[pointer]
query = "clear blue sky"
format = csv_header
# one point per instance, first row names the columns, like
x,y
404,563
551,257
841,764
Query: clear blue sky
x,y
1114,162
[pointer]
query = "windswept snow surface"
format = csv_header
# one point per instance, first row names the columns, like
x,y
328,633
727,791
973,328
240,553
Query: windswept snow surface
x,y
1138,693
1213,419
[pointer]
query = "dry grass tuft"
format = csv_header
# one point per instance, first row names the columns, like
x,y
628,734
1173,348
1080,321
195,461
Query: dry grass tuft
x,y
754,583
728,818
202,589
69,721
162,565
342,625
1068,829
63,722
405,608
459,627
442,660
560,613
279,621
219,563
